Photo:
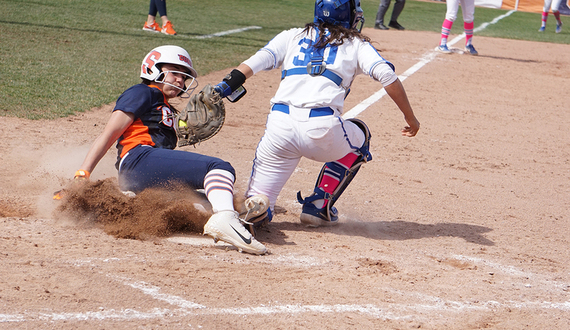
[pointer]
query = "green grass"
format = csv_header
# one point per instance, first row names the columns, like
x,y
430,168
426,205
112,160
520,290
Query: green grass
x,y
60,57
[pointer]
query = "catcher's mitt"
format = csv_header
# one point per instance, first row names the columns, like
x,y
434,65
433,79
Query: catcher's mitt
x,y
202,118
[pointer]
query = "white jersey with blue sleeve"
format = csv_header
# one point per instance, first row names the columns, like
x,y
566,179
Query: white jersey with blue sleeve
x,y
314,78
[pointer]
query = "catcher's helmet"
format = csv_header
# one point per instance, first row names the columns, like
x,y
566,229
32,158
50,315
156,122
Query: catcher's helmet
x,y
347,13
153,61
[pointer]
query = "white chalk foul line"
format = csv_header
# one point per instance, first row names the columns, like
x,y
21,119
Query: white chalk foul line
x,y
482,26
224,33
359,108
153,291
217,34
534,280
390,310
379,94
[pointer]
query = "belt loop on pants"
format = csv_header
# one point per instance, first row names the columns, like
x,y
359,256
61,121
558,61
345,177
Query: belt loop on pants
x,y
315,112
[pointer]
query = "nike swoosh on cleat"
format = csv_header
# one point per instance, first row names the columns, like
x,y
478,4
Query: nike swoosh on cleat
x,y
246,240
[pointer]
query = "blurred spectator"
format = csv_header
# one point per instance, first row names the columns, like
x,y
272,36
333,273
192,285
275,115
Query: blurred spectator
x,y
384,5
158,6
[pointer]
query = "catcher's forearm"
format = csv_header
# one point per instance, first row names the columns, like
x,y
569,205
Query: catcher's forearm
x,y
234,80
246,70
398,95
230,83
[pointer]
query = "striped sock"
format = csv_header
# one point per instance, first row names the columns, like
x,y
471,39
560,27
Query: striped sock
x,y
468,32
557,16
445,30
219,188
544,18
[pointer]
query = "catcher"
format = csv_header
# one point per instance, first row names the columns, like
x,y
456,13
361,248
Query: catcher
x,y
147,129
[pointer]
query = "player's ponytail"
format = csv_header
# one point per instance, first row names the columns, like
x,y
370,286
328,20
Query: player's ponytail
x,y
337,34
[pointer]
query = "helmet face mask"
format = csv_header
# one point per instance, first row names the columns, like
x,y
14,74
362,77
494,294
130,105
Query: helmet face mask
x,y
358,19
151,68
190,82
346,13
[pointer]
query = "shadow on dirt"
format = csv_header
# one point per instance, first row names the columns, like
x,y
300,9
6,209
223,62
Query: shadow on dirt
x,y
388,230
163,212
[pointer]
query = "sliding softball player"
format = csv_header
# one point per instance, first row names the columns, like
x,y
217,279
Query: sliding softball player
x,y
143,125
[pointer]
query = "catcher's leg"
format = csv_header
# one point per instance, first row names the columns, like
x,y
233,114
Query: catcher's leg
x,y
275,160
318,209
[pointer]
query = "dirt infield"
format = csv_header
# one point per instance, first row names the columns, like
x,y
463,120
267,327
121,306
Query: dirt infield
x,y
465,226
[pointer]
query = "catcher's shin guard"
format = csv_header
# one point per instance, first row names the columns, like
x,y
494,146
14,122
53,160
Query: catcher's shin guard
x,y
328,215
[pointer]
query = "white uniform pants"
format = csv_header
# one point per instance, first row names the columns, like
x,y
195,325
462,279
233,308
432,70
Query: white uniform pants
x,y
286,140
555,5
467,9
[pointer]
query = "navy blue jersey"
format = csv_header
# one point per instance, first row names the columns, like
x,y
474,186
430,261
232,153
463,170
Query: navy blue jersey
x,y
153,122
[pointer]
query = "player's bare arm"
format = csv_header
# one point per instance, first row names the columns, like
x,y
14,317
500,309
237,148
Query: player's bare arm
x,y
115,127
246,70
396,91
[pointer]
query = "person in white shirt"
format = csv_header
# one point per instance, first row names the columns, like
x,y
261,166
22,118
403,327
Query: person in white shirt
x,y
318,65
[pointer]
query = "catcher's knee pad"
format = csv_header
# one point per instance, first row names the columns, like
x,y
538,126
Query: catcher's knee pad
x,y
364,150
345,175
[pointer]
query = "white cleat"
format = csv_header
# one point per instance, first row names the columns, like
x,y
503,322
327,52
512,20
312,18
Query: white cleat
x,y
225,226
129,193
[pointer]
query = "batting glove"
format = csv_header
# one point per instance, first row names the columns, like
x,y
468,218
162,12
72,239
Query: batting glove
x,y
82,175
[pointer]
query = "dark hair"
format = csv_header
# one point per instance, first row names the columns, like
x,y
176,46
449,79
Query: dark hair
x,y
337,34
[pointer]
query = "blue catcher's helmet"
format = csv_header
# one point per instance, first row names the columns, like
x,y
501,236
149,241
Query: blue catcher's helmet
x,y
345,13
